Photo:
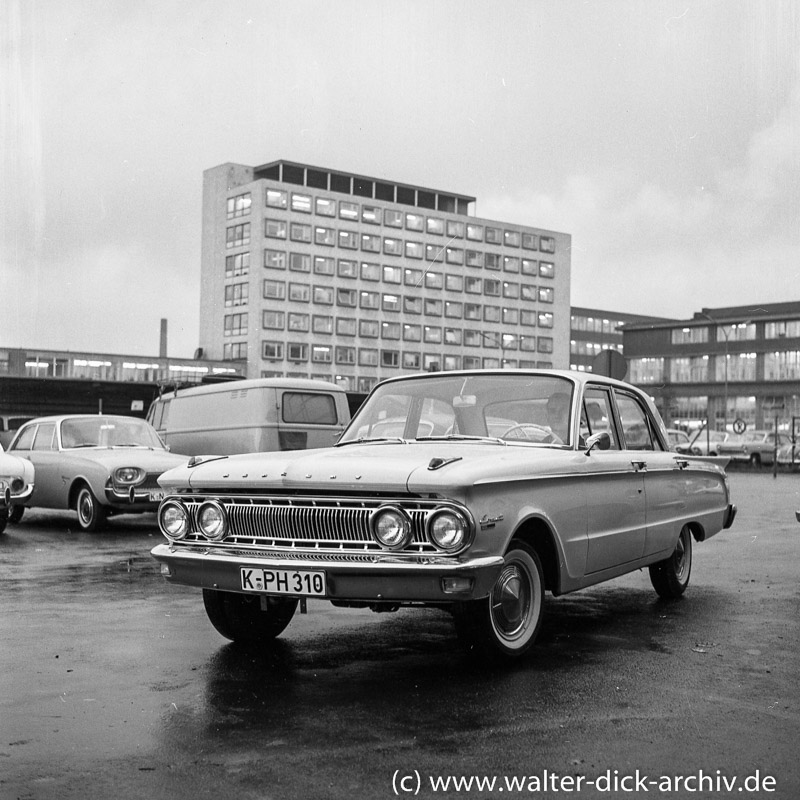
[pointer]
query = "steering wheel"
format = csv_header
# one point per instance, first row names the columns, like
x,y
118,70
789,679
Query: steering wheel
x,y
542,434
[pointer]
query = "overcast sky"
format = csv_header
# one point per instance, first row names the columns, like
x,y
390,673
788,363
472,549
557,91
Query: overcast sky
x,y
663,136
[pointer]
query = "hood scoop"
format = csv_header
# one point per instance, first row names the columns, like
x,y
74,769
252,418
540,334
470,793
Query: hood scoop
x,y
438,463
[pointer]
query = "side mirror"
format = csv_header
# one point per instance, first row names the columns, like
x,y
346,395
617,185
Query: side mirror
x,y
601,441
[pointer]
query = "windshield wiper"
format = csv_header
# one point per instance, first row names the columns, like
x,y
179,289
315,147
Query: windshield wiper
x,y
366,439
462,437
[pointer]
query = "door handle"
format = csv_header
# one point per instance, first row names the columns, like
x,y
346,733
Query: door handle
x,y
682,463
639,466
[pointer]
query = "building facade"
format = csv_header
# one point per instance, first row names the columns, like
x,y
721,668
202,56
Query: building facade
x,y
593,330
724,364
307,272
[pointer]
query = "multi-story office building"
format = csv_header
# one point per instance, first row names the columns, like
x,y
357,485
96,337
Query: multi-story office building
x,y
308,272
593,330
723,364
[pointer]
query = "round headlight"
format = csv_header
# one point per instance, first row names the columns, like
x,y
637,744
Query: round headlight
x,y
212,521
447,529
173,519
128,475
391,527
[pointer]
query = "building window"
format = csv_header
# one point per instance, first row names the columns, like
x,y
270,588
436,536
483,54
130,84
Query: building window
x,y
528,292
323,295
472,338
273,320
412,333
370,300
300,262
493,235
299,232
237,235
474,258
275,228
452,336
474,232
412,305
545,344
347,268
415,222
393,247
434,280
299,292
471,362
413,277
785,329
433,308
545,294
529,241
390,302
432,334
348,240
325,207
370,272
298,322
547,244
529,267
646,370
737,332
491,287
345,326
491,313
435,226
455,230
454,283
511,238
348,210
234,351
392,218
370,243
321,354
301,203
782,366
454,255
410,360
390,330
511,290
492,261
510,316
239,206
236,294
367,357
510,264
545,319
235,324
371,215
272,351
274,290
414,250
741,367
345,355
546,269
274,259
277,199
368,328
346,297
324,265
390,358
297,352
453,310
325,237
474,286
392,274
237,265
472,311
689,370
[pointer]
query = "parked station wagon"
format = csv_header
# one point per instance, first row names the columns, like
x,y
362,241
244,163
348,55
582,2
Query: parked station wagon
x,y
474,492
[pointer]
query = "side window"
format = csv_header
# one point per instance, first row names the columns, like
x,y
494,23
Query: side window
x,y
305,407
44,437
25,438
636,428
597,415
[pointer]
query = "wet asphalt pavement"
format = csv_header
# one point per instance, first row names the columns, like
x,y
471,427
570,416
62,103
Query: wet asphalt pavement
x,y
114,686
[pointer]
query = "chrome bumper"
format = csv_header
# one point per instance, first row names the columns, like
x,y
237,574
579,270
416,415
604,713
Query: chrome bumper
x,y
390,578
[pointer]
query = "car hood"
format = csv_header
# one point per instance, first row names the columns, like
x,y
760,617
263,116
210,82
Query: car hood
x,y
150,460
379,466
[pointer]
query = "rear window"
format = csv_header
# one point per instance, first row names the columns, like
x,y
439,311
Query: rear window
x,y
309,408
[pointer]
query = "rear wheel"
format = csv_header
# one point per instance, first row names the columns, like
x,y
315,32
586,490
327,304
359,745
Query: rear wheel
x,y
3,518
505,625
670,577
755,460
91,515
243,618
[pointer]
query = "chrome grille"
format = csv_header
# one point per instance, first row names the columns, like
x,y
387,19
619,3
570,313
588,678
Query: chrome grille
x,y
310,523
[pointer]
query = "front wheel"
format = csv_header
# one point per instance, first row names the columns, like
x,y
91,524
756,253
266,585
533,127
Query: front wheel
x,y
244,618
4,513
15,514
670,577
505,624
91,515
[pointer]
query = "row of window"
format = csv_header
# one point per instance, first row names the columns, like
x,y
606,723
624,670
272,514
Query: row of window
x,y
394,218
344,355
737,332
782,365
594,324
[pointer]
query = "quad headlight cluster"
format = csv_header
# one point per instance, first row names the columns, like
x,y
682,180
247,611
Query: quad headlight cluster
x,y
211,520
445,528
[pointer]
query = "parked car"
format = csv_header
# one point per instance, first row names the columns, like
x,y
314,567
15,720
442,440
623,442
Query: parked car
x,y
679,440
97,465
426,500
706,442
16,483
789,455
757,447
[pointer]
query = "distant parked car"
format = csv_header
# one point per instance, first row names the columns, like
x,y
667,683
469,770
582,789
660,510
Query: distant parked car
x,y
757,447
97,465
16,483
789,455
706,443
679,440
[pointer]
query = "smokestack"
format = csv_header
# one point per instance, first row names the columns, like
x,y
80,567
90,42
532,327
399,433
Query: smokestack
x,y
162,348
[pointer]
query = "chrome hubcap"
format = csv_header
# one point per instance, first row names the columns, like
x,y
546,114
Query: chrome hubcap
x,y
511,602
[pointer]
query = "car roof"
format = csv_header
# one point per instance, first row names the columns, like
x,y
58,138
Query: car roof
x,y
62,417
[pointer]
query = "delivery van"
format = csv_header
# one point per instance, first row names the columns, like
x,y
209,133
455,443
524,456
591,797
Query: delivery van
x,y
250,416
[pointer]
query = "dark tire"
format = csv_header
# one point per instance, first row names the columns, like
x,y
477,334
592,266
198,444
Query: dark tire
x,y
91,515
240,618
505,625
4,512
15,514
755,460
670,577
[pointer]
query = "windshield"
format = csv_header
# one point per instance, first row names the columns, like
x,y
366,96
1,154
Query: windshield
x,y
518,408
108,432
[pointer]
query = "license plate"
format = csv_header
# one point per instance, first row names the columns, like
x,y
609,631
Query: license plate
x,y
157,497
310,583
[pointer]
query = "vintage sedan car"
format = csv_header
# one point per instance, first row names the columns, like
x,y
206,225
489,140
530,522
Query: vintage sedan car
x,y
497,486
16,483
98,465
706,442
757,447
679,440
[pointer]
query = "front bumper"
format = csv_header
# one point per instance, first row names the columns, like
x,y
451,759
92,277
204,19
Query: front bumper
x,y
7,497
141,499
392,579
